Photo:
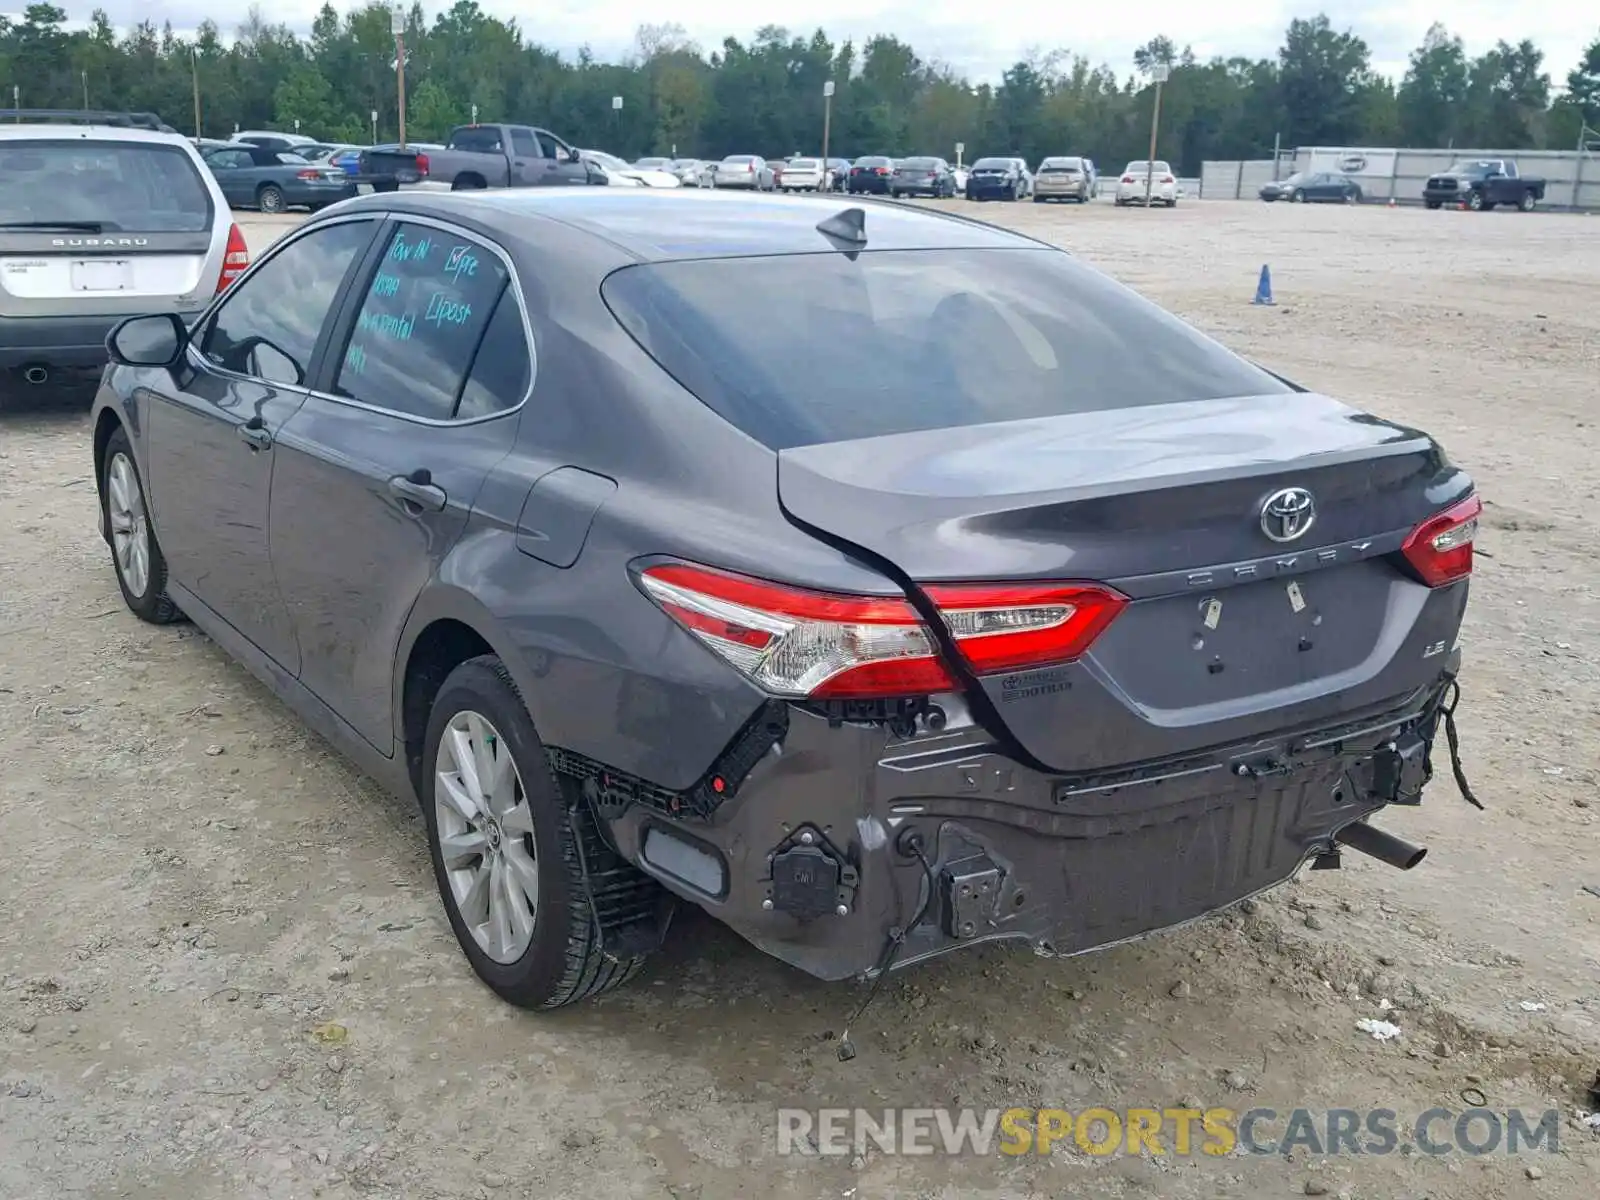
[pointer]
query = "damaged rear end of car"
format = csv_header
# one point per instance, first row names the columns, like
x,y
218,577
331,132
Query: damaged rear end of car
x,y
1155,627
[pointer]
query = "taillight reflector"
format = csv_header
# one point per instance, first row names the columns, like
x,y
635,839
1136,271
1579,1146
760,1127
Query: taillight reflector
x,y
234,260
422,164
1440,549
799,643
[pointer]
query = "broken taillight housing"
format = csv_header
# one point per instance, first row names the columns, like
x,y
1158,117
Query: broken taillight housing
x,y
1440,549
797,643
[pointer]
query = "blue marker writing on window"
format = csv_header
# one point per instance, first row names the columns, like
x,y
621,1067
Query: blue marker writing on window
x,y
386,284
384,325
403,251
444,309
461,261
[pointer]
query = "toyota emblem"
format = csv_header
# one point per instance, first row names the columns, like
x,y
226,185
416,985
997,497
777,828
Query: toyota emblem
x,y
1287,514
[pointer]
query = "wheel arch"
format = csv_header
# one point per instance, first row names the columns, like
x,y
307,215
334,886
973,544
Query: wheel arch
x,y
447,627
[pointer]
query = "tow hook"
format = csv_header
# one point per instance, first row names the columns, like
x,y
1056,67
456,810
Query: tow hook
x,y
1265,769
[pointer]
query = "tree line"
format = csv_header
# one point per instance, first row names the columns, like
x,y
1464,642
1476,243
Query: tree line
x,y
764,95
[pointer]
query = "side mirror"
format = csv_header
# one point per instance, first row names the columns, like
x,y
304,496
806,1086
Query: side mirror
x,y
574,156
150,341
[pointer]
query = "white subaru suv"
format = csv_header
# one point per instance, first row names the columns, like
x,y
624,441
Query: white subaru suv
x,y
99,222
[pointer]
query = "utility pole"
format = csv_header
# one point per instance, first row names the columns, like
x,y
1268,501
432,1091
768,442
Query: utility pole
x,y
1158,73
397,24
827,122
194,73
85,77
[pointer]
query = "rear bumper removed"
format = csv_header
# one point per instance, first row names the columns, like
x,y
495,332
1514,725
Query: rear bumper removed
x,y
805,852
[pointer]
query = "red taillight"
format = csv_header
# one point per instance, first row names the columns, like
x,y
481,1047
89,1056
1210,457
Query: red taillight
x,y
751,167
799,643
1129,179
883,170
422,164
234,260
1014,627
309,174
1168,179
1440,549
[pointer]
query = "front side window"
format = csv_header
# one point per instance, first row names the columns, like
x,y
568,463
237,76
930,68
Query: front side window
x,y
524,145
269,325
420,323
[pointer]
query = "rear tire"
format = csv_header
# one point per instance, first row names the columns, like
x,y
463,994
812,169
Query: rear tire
x,y
1527,203
135,551
270,199
561,961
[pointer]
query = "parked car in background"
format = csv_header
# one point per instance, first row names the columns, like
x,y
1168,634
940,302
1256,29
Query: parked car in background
x,y
346,158
801,175
1062,178
1313,187
1483,184
747,171
960,174
275,181
995,179
618,170
1027,177
870,176
652,164
98,222
269,139
838,174
692,172
1163,184
1094,178
904,602
488,156
923,176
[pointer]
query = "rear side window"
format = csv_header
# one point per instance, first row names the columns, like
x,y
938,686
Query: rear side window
x,y
120,186
483,140
915,339
502,369
420,323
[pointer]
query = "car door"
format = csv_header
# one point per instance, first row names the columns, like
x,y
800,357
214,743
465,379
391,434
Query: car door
x,y
229,167
528,164
563,167
378,470
211,425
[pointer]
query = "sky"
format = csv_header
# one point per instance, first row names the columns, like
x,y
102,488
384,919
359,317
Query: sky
x,y
981,40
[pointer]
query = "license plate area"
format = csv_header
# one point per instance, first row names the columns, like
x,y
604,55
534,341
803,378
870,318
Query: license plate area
x,y
101,274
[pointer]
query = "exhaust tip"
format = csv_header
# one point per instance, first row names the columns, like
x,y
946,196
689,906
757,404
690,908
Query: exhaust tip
x,y
1407,863
1384,847
36,375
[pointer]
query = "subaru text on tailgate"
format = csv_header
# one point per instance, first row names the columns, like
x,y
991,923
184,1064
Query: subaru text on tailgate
x,y
1048,619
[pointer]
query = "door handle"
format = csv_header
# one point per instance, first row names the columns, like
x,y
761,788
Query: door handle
x,y
254,433
417,491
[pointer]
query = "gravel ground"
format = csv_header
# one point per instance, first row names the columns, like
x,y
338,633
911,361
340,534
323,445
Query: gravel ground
x,y
224,972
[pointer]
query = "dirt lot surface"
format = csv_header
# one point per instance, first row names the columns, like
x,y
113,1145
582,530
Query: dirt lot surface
x,y
196,888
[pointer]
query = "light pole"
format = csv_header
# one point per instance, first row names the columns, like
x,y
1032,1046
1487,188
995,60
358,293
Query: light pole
x,y
827,122
616,117
374,127
474,114
16,102
194,79
397,26
1159,74
85,77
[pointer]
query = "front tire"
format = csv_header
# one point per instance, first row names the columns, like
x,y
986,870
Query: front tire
x,y
1297,198
506,848
1475,202
135,552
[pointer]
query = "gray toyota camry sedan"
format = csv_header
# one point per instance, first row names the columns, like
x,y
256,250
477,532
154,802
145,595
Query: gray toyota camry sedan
x,y
878,580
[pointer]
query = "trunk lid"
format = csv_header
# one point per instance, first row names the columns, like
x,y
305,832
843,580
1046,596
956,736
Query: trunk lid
x,y
1228,633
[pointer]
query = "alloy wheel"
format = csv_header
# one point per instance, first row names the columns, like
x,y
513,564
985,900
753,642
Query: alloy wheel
x,y
130,526
486,837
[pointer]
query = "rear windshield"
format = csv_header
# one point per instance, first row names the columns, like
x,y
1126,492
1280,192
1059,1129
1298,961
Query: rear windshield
x,y
483,141
147,188
874,162
913,339
992,164
919,164
1159,168
1061,164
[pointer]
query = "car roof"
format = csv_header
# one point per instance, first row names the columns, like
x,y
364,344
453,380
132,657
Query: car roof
x,y
89,133
659,225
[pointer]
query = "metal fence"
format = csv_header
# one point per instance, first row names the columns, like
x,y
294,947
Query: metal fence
x,y
1572,177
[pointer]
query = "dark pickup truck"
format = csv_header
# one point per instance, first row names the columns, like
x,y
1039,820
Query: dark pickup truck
x,y
488,156
1481,184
